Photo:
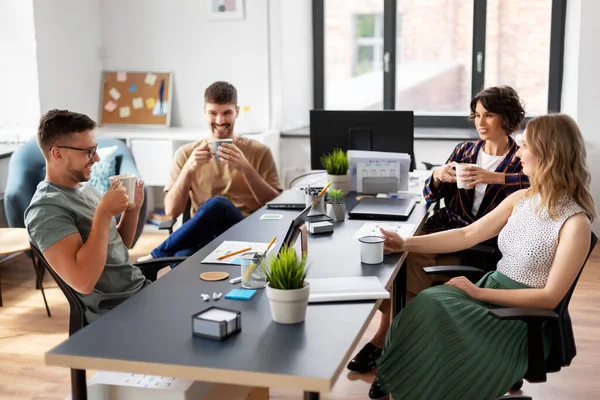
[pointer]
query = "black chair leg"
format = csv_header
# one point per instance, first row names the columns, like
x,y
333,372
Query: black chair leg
x,y
78,384
39,284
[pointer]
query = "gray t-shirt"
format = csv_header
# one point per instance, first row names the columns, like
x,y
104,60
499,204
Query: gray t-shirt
x,y
56,212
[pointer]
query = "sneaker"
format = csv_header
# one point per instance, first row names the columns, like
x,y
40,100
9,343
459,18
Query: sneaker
x,y
366,359
377,391
145,258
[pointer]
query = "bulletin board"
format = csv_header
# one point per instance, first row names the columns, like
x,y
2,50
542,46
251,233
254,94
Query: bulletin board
x,y
136,98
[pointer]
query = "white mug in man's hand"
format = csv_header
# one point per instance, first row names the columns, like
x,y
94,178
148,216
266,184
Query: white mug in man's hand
x,y
128,181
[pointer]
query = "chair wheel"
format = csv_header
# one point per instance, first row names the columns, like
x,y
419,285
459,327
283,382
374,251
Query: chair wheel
x,y
518,385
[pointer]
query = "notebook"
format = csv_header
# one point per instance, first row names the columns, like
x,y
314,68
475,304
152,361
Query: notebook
x,y
346,289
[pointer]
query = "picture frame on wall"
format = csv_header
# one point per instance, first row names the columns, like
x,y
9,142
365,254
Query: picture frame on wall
x,y
219,10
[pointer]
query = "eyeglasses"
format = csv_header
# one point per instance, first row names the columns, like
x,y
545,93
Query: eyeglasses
x,y
90,152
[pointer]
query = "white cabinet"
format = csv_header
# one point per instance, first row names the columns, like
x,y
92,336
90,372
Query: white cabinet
x,y
153,158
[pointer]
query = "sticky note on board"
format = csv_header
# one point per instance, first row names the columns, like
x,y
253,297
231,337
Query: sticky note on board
x,y
137,103
110,106
121,76
150,103
150,79
114,93
124,112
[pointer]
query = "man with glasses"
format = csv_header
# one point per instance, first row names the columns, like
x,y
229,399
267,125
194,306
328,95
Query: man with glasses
x,y
73,226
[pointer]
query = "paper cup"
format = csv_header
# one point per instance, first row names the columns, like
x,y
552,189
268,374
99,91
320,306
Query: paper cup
x,y
128,181
459,169
216,144
371,249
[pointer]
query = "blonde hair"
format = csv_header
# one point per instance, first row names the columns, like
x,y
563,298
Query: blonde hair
x,y
558,144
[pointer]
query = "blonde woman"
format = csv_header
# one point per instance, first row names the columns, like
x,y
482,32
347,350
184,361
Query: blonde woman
x,y
444,345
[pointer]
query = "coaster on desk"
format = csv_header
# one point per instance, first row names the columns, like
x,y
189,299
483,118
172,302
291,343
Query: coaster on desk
x,y
271,216
240,294
214,276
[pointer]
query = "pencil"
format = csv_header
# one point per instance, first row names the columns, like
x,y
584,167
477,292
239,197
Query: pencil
x,y
234,253
270,244
324,189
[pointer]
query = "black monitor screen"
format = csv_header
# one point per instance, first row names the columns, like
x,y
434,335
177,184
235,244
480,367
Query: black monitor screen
x,y
385,130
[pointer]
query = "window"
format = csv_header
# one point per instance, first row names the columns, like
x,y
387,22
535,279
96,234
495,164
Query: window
x,y
368,39
433,56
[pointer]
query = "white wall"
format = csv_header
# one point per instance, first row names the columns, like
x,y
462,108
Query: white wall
x,y
580,81
177,36
68,54
19,104
290,23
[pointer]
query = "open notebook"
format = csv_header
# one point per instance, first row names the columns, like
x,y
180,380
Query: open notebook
x,y
346,289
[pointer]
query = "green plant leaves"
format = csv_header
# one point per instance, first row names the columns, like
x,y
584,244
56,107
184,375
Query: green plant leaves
x,y
286,271
336,163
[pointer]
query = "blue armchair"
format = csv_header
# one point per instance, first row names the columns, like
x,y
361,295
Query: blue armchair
x,y
27,168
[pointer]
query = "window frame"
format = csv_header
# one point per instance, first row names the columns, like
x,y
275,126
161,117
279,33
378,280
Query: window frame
x,y
557,38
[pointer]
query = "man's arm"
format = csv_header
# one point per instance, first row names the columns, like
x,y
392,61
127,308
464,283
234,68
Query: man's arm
x,y
78,264
129,220
81,264
178,193
261,190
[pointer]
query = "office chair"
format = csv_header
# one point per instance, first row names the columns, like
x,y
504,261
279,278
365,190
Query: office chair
x,y
562,350
77,318
168,225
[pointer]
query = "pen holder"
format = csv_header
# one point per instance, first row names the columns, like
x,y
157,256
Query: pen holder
x,y
317,209
253,276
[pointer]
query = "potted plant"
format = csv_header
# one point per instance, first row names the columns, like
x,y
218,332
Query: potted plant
x,y
336,201
287,289
336,164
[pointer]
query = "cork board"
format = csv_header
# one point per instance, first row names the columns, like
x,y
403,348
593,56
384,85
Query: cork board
x,y
136,98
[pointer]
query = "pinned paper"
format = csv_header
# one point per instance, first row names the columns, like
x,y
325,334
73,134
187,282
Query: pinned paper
x,y
114,93
150,79
110,106
124,112
121,76
160,108
150,103
137,103
132,88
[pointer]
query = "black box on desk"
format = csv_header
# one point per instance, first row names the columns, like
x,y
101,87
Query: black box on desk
x,y
216,323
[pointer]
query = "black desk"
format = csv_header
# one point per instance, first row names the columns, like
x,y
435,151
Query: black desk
x,y
151,332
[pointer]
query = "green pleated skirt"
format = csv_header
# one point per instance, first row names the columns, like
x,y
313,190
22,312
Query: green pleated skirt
x,y
444,345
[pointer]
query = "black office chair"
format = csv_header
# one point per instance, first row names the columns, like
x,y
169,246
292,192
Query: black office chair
x,y
77,319
562,350
170,223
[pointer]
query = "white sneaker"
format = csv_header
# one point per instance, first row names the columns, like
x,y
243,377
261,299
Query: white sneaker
x,y
145,258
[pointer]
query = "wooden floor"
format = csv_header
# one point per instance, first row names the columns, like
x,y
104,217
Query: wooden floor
x,y
26,333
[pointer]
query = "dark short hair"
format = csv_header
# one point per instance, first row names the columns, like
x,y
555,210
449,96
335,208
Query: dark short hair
x,y
504,101
61,124
220,93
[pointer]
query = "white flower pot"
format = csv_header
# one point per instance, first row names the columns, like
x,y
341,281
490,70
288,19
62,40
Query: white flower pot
x,y
337,212
339,182
288,306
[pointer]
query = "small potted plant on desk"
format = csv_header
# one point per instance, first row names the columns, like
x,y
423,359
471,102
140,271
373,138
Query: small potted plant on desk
x,y
287,290
337,164
336,201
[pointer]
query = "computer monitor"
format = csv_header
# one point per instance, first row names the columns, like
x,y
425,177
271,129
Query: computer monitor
x,y
384,130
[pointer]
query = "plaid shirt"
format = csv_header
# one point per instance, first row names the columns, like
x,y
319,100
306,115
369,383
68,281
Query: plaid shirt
x,y
457,212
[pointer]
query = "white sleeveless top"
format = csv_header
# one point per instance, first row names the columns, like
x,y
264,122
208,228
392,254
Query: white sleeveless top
x,y
528,242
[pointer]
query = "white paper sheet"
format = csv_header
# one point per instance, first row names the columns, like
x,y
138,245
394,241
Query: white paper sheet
x,y
372,229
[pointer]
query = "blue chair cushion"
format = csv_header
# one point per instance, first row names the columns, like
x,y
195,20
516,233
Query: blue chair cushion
x,y
106,167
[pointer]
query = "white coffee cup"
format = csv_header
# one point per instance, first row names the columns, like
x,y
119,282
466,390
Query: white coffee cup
x,y
216,144
371,249
128,181
459,170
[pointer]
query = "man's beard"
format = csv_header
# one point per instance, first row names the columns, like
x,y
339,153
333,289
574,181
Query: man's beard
x,y
77,175
227,134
